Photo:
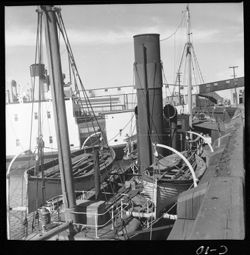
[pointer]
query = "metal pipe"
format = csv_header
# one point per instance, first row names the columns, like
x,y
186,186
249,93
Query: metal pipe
x,y
204,138
112,217
83,145
140,214
170,216
96,226
138,137
53,232
97,174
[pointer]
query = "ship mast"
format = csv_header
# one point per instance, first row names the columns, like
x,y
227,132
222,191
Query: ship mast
x,y
56,81
40,143
189,60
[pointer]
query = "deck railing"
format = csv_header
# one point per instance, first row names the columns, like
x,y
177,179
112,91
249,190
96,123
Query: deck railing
x,y
115,212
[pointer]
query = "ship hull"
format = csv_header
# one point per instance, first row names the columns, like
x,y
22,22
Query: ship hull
x,y
169,190
166,193
82,181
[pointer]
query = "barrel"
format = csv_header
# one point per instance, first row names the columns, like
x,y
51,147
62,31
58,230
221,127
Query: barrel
x,y
45,216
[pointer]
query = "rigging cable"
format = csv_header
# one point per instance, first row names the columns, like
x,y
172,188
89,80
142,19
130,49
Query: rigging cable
x,y
33,83
184,74
196,60
130,121
192,64
60,25
168,37
64,34
165,80
174,63
180,65
81,103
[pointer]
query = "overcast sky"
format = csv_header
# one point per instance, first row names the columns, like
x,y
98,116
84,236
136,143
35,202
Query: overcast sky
x,y
101,38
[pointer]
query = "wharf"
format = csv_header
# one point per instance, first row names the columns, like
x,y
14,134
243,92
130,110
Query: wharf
x,y
215,209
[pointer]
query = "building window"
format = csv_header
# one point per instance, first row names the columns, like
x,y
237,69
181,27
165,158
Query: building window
x,y
215,84
17,142
106,90
36,116
50,139
48,115
16,117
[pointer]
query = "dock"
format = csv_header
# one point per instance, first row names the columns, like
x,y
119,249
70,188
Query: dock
x,y
215,209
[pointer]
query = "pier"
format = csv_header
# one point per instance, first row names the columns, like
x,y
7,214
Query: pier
x,y
215,209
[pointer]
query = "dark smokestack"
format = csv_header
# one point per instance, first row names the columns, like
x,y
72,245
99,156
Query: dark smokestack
x,y
38,71
14,91
148,82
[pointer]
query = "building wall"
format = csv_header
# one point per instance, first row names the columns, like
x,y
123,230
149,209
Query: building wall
x,y
18,127
111,91
110,99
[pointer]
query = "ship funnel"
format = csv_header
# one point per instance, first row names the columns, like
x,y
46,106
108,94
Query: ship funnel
x,y
170,115
37,71
148,83
14,91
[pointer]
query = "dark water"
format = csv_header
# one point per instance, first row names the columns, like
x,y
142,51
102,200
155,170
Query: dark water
x,y
17,198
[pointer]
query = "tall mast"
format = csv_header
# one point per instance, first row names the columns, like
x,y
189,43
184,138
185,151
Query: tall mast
x,y
56,81
41,97
188,46
179,85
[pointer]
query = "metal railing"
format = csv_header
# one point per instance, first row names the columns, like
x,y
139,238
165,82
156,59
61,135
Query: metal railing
x,y
110,103
115,212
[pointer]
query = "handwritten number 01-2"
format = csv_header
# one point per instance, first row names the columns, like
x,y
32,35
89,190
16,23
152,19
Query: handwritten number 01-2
x,y
202,250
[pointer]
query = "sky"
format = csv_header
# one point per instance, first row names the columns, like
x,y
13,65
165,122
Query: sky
x,y
101,37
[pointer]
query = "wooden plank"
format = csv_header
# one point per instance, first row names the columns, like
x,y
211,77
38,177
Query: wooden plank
x,y
181,229
170,176
189,202
174,170
221,215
